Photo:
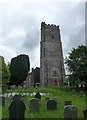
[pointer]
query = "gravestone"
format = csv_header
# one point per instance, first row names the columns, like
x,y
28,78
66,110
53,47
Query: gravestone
x,y
70,112
17,109
85,114
34,105
67,102
38,96
31,94
51,105
19,87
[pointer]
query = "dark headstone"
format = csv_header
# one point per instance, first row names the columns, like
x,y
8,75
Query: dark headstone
x,y
51,105
85,114
17,110
34,105
38,96
70,112
68,102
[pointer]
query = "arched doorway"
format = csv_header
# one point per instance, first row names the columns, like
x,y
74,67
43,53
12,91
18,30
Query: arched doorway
x,y
55,82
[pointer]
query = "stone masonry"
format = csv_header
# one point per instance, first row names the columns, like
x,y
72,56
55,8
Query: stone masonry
x,y
51,56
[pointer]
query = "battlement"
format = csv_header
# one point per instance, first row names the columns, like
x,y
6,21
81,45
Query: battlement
x,y
43,24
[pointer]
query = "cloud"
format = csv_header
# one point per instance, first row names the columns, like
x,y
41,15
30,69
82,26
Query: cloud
x,y
21,21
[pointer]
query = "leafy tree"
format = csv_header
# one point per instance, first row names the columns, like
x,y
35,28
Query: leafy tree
x,y
19,68
77,64
4,72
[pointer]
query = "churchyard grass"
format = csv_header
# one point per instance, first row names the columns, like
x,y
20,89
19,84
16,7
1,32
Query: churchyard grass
x,y
61,93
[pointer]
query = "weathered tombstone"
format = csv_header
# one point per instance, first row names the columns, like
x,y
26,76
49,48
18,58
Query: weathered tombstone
x,y
34,105
38,96
9,94
31,94
13,94
51,105
34,93
67,102
48,93
85,114
24,94
5,94
19,87
12,87
70,112
17,109
41,94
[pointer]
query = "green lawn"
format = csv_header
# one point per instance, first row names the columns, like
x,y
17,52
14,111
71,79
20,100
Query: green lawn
x,y
62,93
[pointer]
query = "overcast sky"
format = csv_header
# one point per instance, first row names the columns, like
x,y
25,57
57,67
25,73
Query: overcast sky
x,y
20,23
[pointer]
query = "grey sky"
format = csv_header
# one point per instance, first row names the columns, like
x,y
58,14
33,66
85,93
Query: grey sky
x,y
20,22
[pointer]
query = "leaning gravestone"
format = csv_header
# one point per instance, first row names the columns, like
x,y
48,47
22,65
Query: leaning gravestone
x,y
70,112
67,102
38,96
85,114
51,105
17,109
34,105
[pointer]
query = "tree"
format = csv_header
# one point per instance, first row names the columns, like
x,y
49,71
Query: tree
x,y
19,68
4,72
77,64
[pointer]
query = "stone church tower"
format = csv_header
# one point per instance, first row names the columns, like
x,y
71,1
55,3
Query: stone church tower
x,y
51,56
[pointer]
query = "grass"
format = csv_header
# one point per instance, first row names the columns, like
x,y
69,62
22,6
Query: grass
x,y
62,93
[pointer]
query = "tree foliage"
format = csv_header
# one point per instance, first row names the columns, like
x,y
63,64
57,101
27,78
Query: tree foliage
x,y
77,64
19,68
4,72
